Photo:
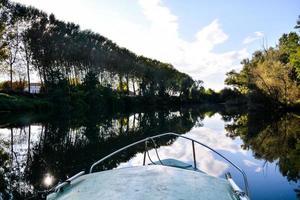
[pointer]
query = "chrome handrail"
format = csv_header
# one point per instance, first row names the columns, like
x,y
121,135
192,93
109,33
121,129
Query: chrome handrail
x,y
194,157
68,181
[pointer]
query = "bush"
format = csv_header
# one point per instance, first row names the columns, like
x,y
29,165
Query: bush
x,y
20,103
16,86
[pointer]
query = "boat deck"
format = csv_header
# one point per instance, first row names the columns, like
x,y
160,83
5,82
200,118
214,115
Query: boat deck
x,y
147,182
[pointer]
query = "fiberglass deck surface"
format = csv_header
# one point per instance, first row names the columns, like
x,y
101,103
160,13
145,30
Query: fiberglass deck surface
x,y
146,182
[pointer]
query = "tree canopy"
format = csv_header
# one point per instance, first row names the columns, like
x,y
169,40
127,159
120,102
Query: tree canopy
x,y
3,53
59,50
272,73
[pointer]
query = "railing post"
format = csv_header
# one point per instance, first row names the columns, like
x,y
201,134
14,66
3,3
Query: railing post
x,y
144,161
194,156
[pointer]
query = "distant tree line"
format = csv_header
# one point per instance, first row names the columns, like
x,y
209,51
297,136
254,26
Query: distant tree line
x,y
57,51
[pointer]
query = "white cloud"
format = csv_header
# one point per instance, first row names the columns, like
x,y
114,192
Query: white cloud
x,y
256,36
196,58
259,34
154,34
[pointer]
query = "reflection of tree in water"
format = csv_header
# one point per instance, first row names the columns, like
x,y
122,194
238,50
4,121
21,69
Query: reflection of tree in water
x,y
4,171
297,190
65,146
14,160
272,139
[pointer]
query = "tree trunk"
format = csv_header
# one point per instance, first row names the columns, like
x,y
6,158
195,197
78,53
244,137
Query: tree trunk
x,y
28,145
121,126
12,155
121,83
127,127
133,123
127,84
28,77
11,77
133,86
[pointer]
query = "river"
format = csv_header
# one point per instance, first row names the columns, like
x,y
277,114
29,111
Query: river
x,y
38,151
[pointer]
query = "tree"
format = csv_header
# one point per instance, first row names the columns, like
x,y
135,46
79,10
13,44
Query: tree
x,y
298,23
3,52
272,74
58,51
272,77
13,45
27,56
289,45
237,80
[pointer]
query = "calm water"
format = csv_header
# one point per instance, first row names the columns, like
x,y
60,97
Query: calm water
x,y
36,152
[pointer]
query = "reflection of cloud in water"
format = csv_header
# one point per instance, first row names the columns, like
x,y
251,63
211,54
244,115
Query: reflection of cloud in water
x,y
250,163
254,165
258,169
181,149
214,139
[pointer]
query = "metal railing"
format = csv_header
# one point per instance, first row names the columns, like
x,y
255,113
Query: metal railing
x,y
177,135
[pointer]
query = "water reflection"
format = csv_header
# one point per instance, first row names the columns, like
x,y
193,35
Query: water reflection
x,y
181,150
206,160
36,153
277,141
63,146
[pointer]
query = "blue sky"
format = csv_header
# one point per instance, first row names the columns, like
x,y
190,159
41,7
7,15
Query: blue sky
x,y
204,39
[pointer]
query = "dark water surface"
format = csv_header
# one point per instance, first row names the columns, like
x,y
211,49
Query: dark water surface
x,y
36,152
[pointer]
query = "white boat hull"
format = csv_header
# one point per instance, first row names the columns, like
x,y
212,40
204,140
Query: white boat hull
x,y
146,182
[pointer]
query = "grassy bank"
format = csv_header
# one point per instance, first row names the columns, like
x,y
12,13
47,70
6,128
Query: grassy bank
x,y
105,101
80,102
14,102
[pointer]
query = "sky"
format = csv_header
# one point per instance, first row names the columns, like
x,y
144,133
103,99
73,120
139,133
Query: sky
x,y
204,39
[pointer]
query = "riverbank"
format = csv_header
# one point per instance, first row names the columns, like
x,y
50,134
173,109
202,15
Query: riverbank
x,y
13,102
80,101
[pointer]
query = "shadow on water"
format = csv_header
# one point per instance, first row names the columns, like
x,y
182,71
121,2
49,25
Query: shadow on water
x,y
32,147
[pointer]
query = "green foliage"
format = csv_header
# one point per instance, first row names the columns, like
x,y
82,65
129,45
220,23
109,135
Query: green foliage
x,y
289,45
3,51
237,80
231,96
271,76
92,95
16,86
90,81
22,103
2,28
